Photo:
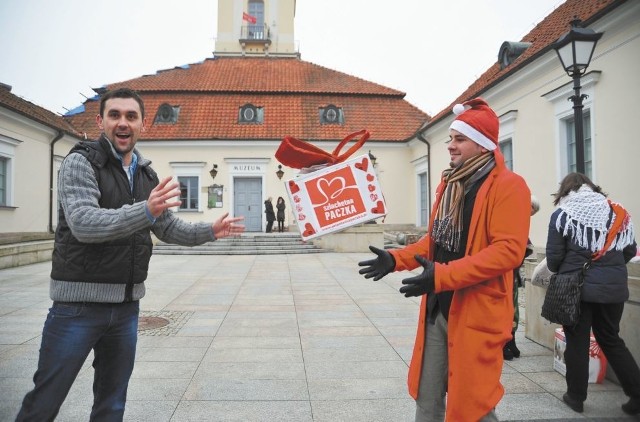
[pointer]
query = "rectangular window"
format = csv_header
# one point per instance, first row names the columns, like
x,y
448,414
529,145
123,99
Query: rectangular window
x,y
506,147
3,181
188,193
424,199
571,144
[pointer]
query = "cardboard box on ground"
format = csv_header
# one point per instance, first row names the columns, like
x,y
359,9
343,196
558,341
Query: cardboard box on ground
x,y
597,360
336,197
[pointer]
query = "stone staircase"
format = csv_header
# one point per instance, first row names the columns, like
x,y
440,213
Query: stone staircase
x,y
247,244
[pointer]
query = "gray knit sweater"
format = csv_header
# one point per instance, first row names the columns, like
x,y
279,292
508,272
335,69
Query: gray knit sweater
x,y
78,195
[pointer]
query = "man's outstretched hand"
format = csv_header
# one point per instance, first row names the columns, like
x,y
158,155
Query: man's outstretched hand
x,y
164,196
420,284
226,226
378,267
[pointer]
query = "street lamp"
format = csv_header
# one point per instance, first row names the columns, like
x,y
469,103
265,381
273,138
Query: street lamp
x,y
214,171
575,49
373,158
280,173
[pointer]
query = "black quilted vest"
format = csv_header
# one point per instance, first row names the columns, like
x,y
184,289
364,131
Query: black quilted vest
x,y
119,261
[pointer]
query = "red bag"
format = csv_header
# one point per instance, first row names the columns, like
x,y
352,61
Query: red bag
x,y
298,154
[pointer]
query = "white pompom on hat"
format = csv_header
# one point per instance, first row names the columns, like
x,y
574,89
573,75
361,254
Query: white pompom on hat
x,y
478,122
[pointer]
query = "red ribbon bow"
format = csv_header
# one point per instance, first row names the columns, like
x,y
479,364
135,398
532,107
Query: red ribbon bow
x,y
298,154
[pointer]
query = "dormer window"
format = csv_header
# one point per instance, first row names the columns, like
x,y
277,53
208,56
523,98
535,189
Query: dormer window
x,y
167,114
509,51
250,114
331,115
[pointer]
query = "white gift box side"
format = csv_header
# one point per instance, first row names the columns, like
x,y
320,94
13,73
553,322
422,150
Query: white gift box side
x,y
597,360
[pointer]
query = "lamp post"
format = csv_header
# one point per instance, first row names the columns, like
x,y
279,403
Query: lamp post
x,y
280,173
575,49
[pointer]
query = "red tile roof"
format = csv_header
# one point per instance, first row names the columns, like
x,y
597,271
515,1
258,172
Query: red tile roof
x,y
34,112
290,91
541,38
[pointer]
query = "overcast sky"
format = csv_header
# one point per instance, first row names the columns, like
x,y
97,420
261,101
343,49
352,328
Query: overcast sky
x,y
54,52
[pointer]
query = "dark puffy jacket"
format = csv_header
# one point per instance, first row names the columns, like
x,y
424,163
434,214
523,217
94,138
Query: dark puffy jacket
x,y
120,261
606,279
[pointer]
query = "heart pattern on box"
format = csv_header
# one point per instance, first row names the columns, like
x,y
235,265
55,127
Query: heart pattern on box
x,y
374,197
308,230
302,217
363,165
379,208
370,177
293,187
371,188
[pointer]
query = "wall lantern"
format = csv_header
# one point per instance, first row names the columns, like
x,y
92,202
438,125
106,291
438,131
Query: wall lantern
x,y
575,49
373,158
214,171
280,173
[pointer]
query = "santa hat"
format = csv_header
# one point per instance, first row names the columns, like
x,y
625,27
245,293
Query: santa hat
x,y
478,122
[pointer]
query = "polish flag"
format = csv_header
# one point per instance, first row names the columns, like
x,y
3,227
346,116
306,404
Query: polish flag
x,y
247,17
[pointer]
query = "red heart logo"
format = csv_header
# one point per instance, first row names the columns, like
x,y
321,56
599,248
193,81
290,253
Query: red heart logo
x,y
371,188
370,177
374,197
296,199
363,165
378,209
302,217
331,188
309,230
293,187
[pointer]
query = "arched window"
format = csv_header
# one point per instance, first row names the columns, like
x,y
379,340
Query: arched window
x,y
249,113
331,115
167,114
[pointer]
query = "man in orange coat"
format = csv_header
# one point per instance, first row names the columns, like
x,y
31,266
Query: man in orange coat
x,y
477,235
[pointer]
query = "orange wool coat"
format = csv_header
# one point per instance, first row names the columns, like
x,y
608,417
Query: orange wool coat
x,y
481,313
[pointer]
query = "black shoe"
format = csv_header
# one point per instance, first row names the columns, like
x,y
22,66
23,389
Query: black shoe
x,y
574,404
511,344
632,407
507,354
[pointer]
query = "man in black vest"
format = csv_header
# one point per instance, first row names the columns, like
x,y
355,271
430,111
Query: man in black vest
x,y
110,201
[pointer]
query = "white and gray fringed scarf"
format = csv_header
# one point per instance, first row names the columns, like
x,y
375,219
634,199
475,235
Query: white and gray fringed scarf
x,y
585,209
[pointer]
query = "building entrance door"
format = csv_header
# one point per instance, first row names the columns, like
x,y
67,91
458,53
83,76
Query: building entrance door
x,y
247,201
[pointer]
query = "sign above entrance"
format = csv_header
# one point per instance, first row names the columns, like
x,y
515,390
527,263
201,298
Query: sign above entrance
x,y
251,168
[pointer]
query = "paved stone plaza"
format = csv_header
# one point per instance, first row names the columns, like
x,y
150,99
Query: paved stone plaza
x,y
270,338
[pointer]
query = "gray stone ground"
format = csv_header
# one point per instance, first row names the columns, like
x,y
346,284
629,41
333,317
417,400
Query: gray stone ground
x,y
270,338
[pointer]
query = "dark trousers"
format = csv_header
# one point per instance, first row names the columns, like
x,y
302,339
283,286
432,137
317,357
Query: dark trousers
x,y
70,332
269,226
604,319
280,225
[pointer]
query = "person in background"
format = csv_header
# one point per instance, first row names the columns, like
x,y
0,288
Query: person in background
x,y
280,206
110,200
271,215
578,228
476,237
510,349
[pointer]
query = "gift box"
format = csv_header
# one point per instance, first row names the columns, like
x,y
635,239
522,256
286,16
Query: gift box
x,y
336,197
597,359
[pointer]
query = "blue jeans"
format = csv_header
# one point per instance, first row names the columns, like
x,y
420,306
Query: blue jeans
x,y
70,332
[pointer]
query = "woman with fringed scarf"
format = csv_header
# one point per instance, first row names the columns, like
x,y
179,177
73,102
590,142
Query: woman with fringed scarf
x,y
477,236
579,228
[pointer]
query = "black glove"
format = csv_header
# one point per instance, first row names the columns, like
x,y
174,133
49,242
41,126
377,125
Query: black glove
x,y
378,267
420,284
